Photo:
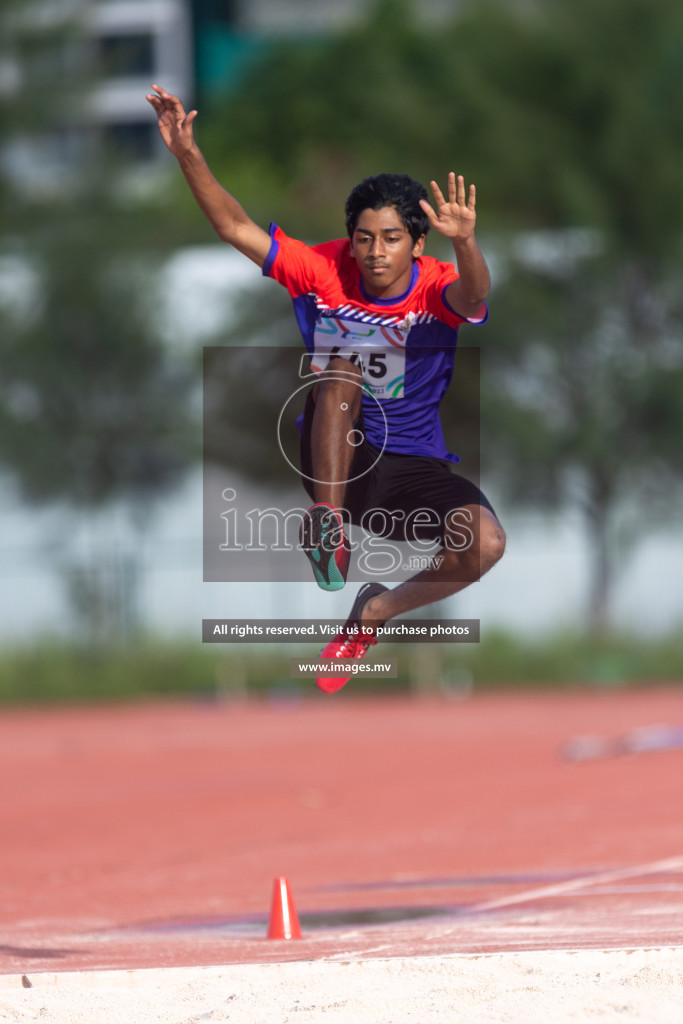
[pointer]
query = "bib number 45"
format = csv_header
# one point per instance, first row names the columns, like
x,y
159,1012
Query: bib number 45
x,y
371,364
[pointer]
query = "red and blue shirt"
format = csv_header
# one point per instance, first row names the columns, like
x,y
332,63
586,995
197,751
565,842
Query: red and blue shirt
x,y
404,345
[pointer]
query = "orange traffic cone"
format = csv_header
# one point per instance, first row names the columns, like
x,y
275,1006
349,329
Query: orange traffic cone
x,y
284,924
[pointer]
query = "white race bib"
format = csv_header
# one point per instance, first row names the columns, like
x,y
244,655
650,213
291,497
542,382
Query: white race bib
x,y
379,351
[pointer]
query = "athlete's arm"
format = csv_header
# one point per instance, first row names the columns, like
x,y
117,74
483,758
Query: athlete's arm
x,y
455,218
225,214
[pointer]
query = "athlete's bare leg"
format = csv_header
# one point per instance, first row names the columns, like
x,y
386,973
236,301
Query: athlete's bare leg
x,y
337,396
456,571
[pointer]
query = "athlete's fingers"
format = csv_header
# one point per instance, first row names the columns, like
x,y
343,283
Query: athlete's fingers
x,y
160,105
472,201
431,216
452,195
438,194
161,93
461,190
168,99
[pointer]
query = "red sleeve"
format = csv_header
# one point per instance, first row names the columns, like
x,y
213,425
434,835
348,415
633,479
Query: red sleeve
x,y
438,276
300,267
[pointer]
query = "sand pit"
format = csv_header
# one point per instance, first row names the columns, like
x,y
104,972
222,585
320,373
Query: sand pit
x,y
624,986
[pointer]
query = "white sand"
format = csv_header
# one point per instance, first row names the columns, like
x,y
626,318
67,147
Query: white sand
x,y
644,986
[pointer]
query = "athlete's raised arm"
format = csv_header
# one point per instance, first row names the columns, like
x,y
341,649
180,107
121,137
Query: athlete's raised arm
x,y
225,214
455,218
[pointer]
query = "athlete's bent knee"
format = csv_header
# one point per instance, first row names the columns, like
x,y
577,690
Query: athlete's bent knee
x,y
339,387
339,364
491,545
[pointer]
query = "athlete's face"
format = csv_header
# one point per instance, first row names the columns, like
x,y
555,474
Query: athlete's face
x,y
384,252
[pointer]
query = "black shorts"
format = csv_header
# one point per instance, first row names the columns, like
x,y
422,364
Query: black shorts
x,y
401,497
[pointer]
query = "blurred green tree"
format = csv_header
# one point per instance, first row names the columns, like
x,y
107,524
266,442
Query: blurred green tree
x,y
93,405
584,363
583,406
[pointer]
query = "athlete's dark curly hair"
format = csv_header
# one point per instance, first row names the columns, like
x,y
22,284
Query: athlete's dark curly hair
x,y
397,190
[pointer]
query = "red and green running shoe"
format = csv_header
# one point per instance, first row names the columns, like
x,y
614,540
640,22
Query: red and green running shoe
x,y
326,546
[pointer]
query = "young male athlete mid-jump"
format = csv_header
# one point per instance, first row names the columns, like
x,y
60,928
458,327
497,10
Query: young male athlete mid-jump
x,y
380,322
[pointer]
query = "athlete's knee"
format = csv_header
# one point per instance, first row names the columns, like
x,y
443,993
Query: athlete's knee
x,y
341,365
475,544
339,377
492,542
340,383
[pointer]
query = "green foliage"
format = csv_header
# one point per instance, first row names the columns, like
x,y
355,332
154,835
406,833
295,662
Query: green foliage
x,y
583,401
52,672
42,75
585,381
92,405
562,114
55,672
569,660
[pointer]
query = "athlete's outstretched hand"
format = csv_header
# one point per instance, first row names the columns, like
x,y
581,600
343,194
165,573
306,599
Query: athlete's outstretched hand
x,y
454,217
175,125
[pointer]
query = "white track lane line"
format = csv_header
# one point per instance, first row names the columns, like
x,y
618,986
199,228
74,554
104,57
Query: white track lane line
x,y
576,884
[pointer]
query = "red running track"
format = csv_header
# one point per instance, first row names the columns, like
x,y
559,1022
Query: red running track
x,y
149,835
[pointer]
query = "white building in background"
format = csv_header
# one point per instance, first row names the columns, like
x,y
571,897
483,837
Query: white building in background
x,y
187,45
111,53
137,42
